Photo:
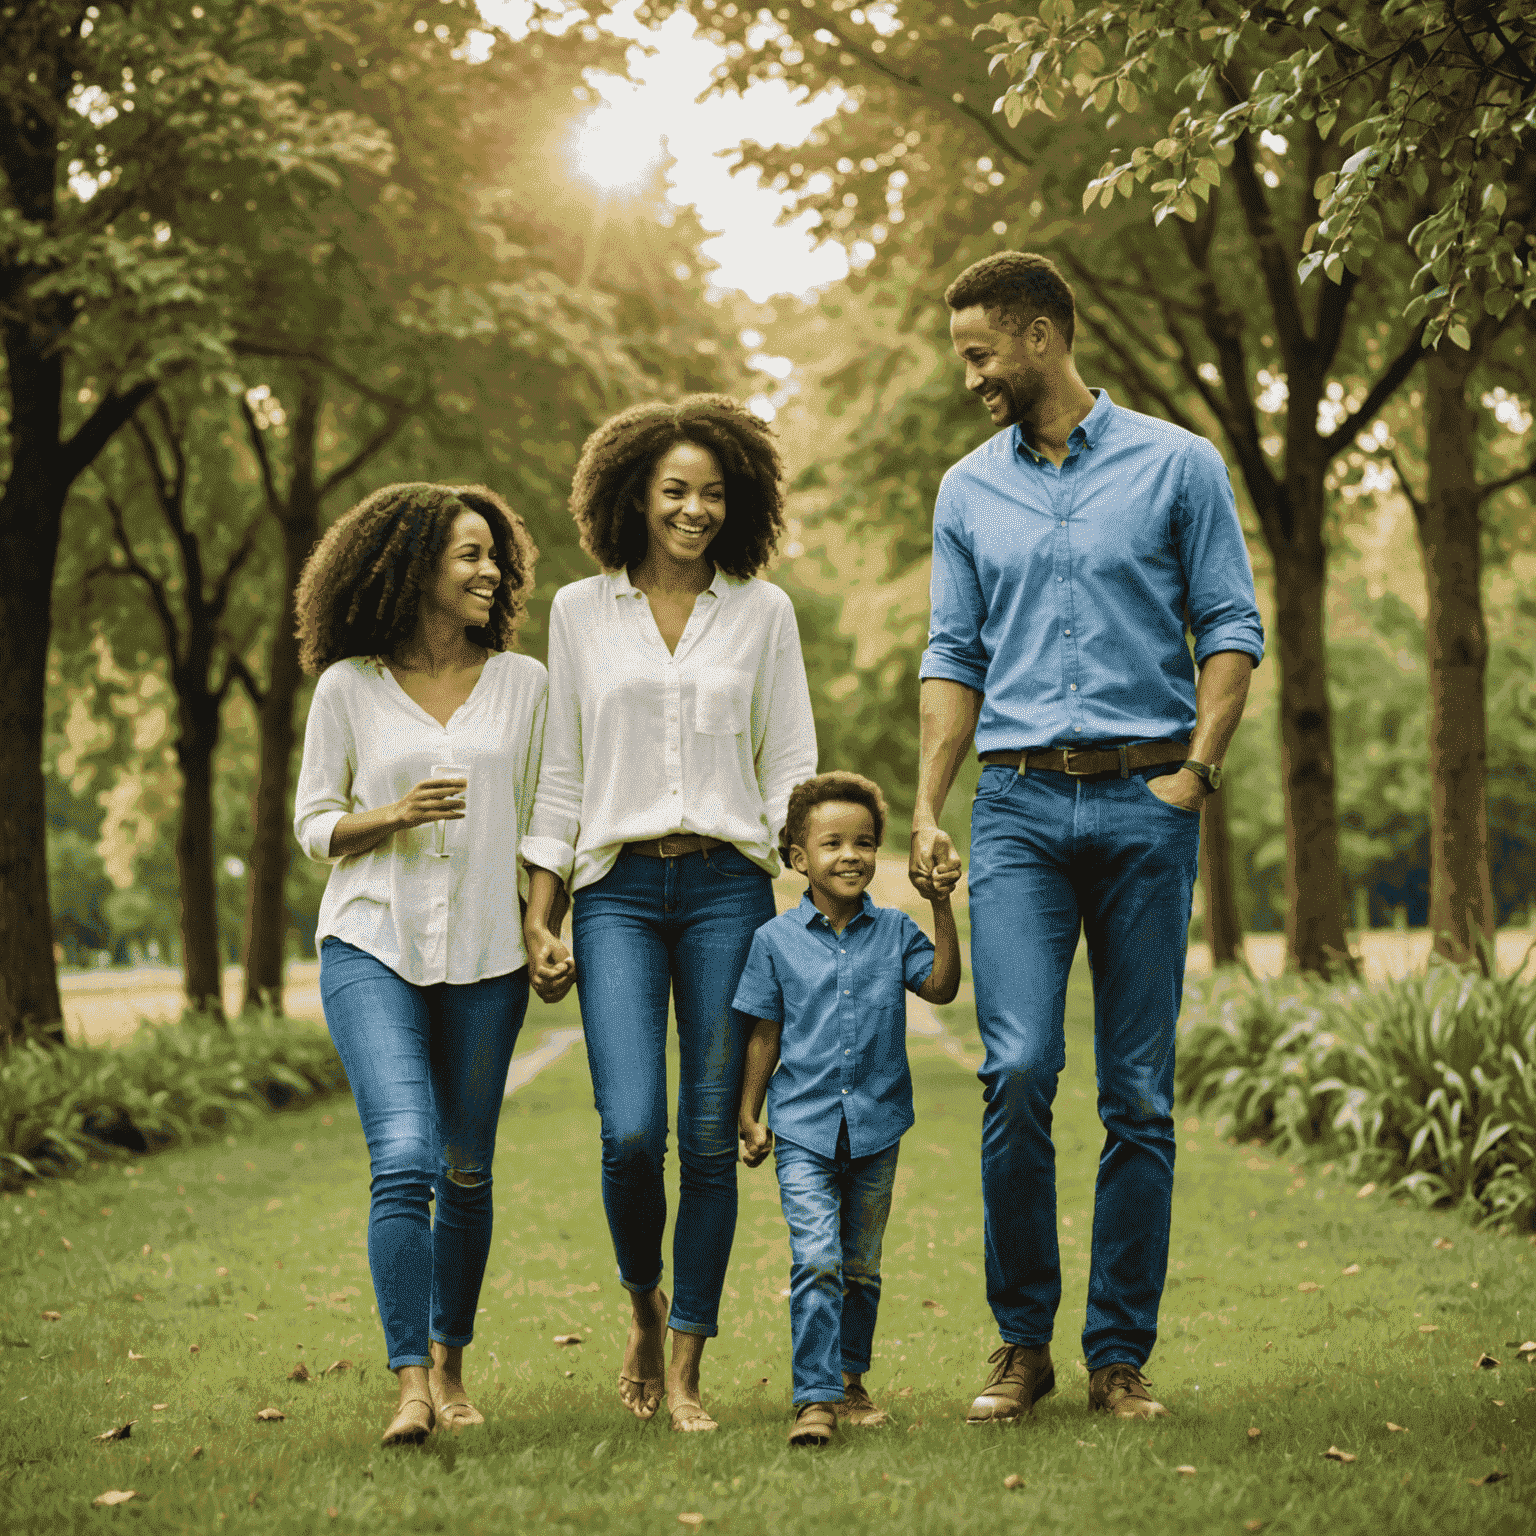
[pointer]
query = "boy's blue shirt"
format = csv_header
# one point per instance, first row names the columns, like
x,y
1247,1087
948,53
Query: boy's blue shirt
x,y
843,1051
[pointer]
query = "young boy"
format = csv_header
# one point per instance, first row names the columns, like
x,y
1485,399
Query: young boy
x,y
823,989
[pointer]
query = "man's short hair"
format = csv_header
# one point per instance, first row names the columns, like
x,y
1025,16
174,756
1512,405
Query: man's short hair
x,y
1021,286
826,789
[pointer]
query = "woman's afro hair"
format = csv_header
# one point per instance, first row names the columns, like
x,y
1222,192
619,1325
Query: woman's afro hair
x,y
360,589
613,476
824,789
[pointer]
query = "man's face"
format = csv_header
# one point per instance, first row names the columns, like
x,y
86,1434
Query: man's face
x,y
1002,368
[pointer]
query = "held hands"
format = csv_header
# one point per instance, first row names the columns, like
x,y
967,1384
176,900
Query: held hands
x,y
756,1142
934,866
432,800
551,970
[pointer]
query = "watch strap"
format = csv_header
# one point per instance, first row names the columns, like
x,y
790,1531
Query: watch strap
x,y
1208,774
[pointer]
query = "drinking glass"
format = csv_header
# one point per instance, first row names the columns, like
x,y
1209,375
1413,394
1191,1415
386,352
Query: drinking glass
x,y
440,828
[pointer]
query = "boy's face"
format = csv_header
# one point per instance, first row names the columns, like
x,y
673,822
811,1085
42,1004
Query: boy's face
x,y
837,850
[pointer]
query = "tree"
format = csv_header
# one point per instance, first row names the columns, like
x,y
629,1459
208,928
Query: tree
x,y
1436,99
112,118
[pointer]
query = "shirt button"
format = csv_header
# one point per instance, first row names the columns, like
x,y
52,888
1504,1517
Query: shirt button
x,y
1077,727
1066,631
847,994
1058,578
1074,687
1063,522
847,1053
845,1090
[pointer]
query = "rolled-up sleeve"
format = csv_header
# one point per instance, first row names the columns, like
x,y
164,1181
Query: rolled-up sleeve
x,y
550,838
759,994
784,725
324,792
1223,615
956,608
528,782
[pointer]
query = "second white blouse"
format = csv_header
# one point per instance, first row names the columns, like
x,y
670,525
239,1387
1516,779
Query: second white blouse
x,y
640,742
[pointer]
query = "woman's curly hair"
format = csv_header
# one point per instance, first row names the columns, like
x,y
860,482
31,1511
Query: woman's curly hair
x,y
360,590
826,788
613,476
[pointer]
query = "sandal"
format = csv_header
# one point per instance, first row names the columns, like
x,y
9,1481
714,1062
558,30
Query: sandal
x,y
646,1400
691,1419
410,1433
456,1416
814,1425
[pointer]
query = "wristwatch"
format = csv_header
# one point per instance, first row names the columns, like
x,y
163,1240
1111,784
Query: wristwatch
x,y
1208,774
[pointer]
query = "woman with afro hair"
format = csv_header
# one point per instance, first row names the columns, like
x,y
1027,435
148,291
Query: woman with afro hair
x,y
679,720
421,754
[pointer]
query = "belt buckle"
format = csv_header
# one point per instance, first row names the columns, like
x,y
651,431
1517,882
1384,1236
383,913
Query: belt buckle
x,y
1066,762
665,846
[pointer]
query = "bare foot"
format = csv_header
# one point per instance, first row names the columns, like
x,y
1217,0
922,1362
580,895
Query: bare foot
x,y
640,1377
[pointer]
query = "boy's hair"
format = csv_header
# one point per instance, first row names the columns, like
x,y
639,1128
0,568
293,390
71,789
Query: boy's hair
x,y
824,789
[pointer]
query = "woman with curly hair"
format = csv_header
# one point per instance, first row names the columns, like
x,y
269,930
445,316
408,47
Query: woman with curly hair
x,y
421,754
679,720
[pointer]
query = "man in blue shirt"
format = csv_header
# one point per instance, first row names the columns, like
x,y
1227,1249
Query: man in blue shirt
x,y
1070,553
823,987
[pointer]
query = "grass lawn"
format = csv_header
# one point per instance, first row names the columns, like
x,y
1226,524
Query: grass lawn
x,y
253,1255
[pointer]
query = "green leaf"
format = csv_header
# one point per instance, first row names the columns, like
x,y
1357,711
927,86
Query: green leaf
x,y
1325,122
1333,267
1013,108
1498,302
1125,89
1322,188
1208,170
1308,238
1103,96
1493,198
1458,334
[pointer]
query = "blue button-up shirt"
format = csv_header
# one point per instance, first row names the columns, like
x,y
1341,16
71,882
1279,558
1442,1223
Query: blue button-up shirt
x,y
843,1050
1062,594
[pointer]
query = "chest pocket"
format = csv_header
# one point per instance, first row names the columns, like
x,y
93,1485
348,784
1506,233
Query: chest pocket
x,y
722,701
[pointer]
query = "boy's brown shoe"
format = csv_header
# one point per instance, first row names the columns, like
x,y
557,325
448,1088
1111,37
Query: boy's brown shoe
x,y
856,1409
814,1425
1121,1390
1020,1378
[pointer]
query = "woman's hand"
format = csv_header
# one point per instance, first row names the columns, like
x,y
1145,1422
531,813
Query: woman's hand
x,y
431,800
756,1142
551,970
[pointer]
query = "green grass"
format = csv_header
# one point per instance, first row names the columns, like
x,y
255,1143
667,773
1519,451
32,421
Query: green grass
x,y
283,1211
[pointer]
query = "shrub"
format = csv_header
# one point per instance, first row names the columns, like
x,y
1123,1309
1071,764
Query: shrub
x,y
1428,1083
171,1084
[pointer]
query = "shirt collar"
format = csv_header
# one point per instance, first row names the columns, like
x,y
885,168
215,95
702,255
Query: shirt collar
x,y
811,914
1087,432
621,586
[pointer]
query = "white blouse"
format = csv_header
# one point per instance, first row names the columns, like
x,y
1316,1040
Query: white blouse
x,y
641,743
428,918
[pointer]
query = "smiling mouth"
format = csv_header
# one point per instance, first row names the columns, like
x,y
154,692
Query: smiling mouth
x,y
690,533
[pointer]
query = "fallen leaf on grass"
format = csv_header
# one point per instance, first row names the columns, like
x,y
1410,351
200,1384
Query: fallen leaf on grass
x,y
251,1317
1486,1363
160,1407
900,1391
1309,1285
197,1451
52,1317
221,1271
1429,1328
689,1518
1253,1434
1442,1243
68,1246
1302,1243
1185,1471
137,1296
1397,1429
1498,1402
1013,1480
1488,1477
1528,1348
1253,1525
133,1356
332,1511
1333,1453
300,1372
568,1374
575,1338
269,1415
146,1250
193,1349
1267,1347
122,1432
336,1367
1352,1269
1365,1191
114,1496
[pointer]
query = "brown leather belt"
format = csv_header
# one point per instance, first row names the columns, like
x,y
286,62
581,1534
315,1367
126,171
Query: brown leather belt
x,y
1091,762
675,846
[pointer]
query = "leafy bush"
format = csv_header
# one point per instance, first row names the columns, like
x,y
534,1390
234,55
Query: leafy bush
x,y
1428,1083
174,1083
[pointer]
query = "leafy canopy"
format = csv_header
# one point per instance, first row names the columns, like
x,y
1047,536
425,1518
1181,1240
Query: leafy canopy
x,y
1436,98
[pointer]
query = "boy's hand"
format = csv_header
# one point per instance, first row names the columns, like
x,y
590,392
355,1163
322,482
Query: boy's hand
x,y
943,879
756,1142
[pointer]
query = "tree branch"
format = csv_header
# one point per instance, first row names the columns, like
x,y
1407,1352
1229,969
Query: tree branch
x,y
1415,501
392,424
1503,483
235,670
78,452
243,551
132,566
1274,263
1380,392
263,460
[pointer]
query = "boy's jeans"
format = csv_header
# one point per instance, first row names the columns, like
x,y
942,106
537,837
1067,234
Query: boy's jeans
x,y
1052,856
836,1209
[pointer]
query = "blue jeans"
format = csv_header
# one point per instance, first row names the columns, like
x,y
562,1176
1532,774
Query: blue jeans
x,y
1050,854
836,1208
648,928
428,1069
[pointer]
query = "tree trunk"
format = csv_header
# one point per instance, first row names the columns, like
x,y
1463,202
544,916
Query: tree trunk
x,y
1223,929
30,512
1314,879
266,913
201,960
1461,910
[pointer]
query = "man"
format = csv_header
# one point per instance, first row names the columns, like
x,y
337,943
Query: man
x,y
1069,552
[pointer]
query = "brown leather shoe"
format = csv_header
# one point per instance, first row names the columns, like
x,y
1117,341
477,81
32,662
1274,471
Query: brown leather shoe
x,y
858,1410
1121,1390
1020,1378
814,1425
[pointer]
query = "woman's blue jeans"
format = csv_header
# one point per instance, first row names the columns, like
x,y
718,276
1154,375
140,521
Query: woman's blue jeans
x,y
1052,855
428,1069
836,1208
648,928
